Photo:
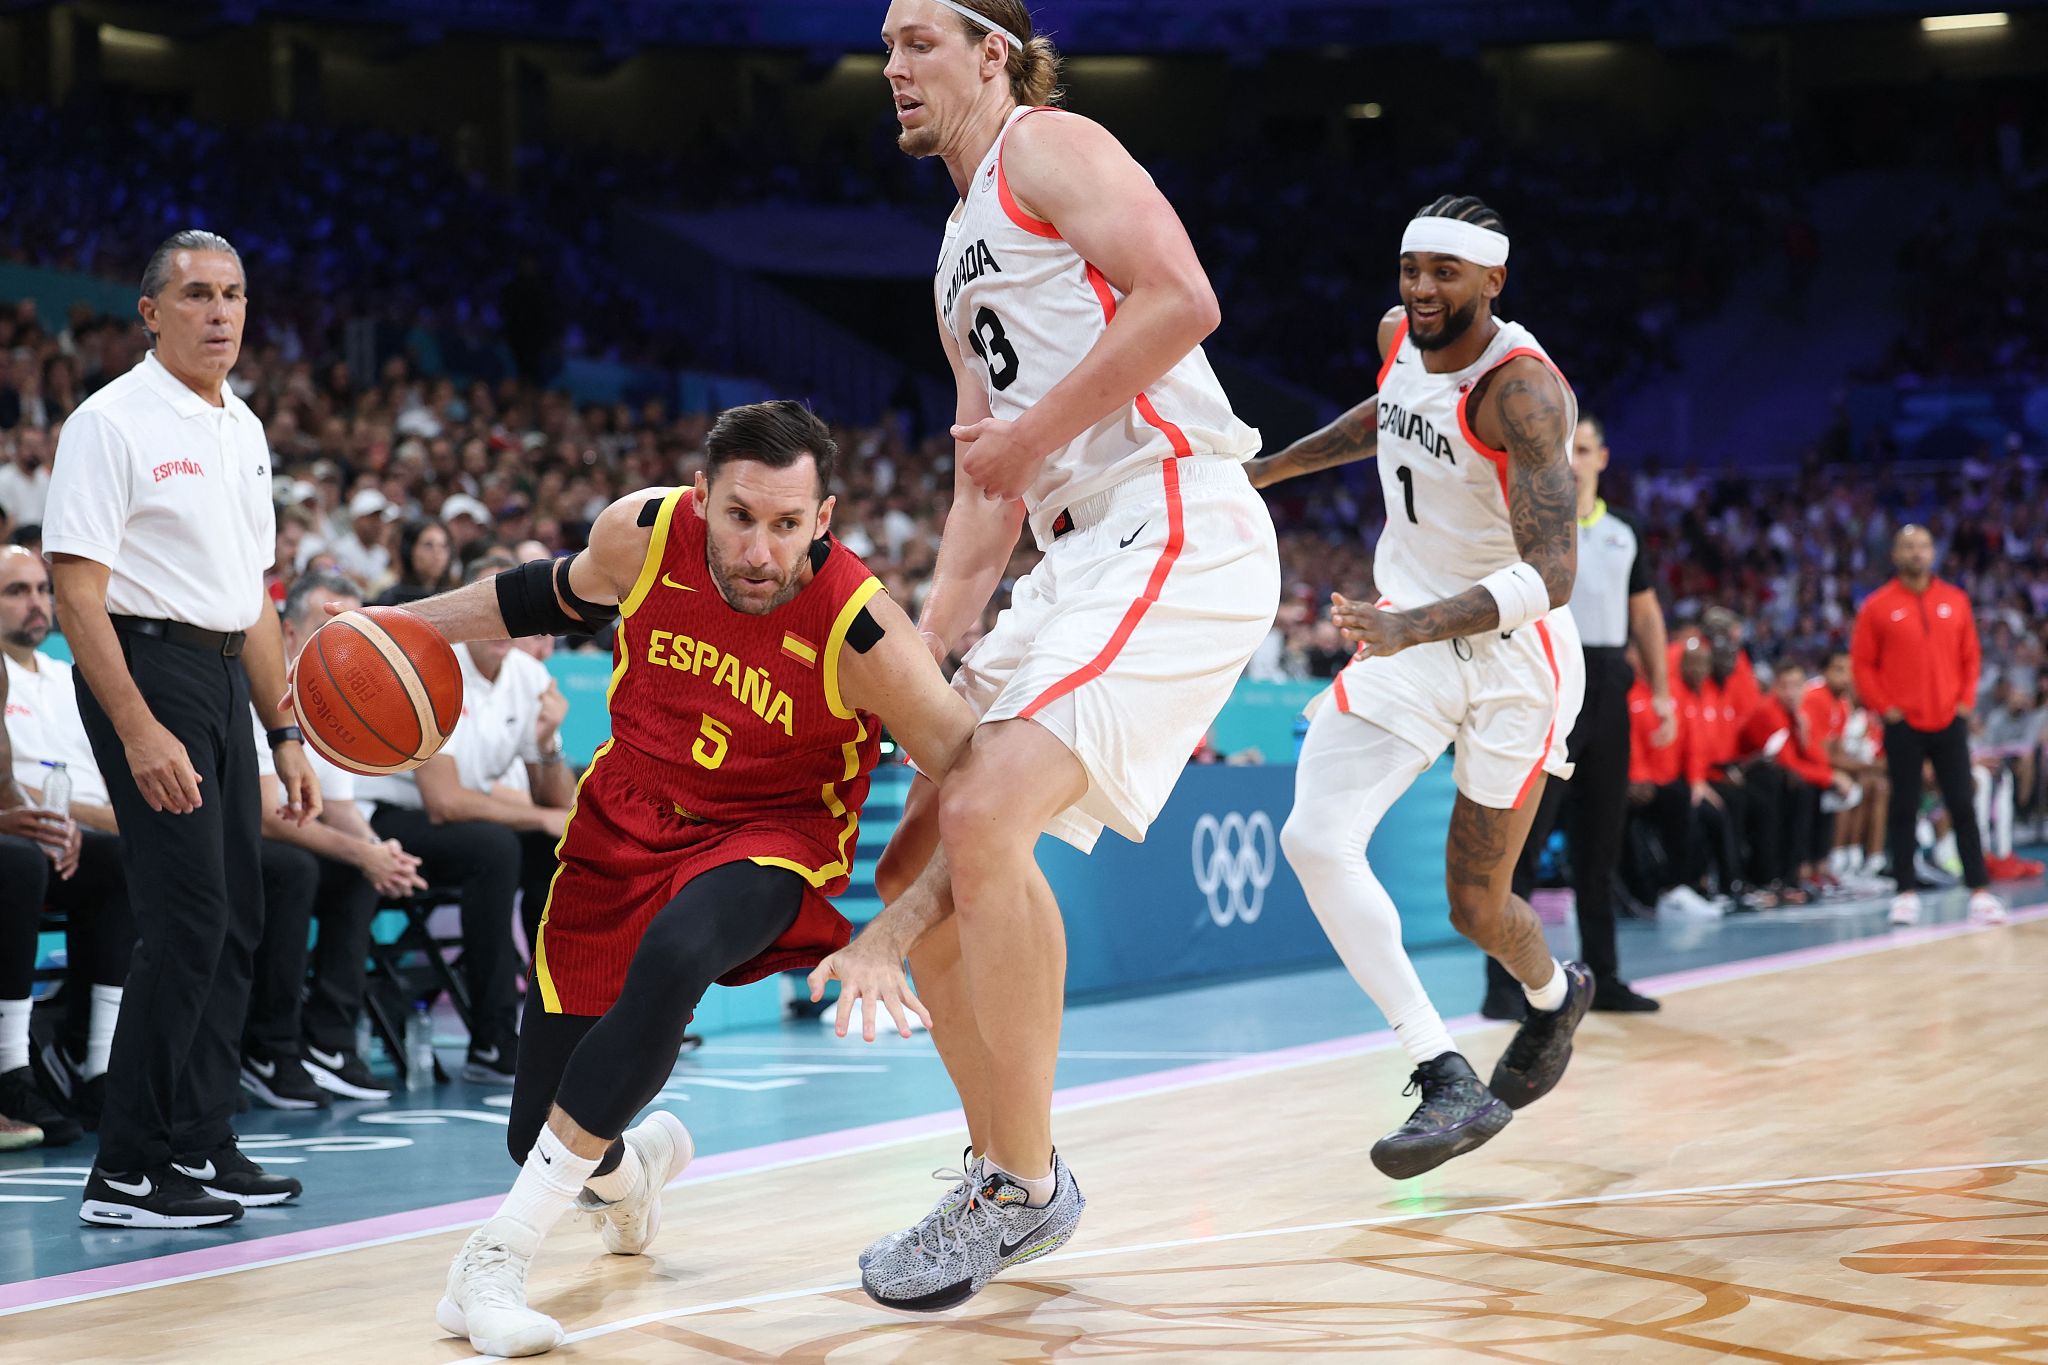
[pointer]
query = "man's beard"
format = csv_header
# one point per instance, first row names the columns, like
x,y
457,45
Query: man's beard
x,y
29,637
918,142
1455,326
729,584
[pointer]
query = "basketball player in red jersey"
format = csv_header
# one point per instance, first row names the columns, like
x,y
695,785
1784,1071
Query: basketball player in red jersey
x,y
757,661
1072,308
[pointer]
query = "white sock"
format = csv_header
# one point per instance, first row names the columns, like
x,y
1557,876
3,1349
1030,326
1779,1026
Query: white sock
x,y
99,1031
1350,772
624,1181
1551,994
547,1185
14,1033
1038,1191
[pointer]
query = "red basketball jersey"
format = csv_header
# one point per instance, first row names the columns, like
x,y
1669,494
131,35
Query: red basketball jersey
x,y
737,719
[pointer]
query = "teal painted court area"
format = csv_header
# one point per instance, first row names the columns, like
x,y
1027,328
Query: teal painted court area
x,y
794,1089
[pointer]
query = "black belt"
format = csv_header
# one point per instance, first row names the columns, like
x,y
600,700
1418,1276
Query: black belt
x,y
1603,653
228,644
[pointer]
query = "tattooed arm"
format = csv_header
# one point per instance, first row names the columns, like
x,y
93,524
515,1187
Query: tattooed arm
x,y
1519,408
1354,436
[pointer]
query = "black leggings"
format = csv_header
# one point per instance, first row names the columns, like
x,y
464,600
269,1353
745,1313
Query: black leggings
x,y
99,927
604,1069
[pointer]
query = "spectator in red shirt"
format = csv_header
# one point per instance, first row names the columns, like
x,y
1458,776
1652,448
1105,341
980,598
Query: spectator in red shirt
x,y
1915,657
1705,747
1659,798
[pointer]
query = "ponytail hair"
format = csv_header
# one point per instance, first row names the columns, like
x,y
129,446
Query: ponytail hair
x,y
1034,69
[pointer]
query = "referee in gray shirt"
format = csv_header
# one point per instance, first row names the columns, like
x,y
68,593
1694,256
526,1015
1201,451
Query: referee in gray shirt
x,y
159,529
1613,602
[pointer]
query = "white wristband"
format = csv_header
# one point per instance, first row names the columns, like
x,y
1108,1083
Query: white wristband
x,y
1519,593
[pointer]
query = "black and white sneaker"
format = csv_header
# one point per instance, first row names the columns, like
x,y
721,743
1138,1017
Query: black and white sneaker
x,y
160,1198
494,1065
344,1074
23,1100
63,1076
225,1173
280,1081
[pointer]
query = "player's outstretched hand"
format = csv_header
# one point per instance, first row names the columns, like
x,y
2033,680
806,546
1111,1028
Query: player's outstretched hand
x,y
1376,633
868,971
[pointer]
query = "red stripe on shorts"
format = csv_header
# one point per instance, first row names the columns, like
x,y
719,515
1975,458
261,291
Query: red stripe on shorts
x,y
1176,537
1557,696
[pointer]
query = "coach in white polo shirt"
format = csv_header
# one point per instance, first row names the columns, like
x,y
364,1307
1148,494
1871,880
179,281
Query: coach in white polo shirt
x,y
159,528
467,833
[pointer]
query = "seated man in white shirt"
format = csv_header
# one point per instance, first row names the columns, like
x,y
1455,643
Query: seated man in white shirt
x,y
25,475
490,845
71,865
299,1044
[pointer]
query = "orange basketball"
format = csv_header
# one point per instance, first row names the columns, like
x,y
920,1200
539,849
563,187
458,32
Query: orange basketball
x,y
377,691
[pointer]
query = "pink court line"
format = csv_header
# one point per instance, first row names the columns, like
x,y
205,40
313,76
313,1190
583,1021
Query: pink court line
x,y
206,1262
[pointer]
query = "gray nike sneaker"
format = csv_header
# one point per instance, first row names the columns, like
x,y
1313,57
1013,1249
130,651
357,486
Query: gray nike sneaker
x,y
959,1183
947,1258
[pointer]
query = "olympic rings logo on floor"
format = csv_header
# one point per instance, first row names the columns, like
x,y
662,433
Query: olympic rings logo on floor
x,y
1234,861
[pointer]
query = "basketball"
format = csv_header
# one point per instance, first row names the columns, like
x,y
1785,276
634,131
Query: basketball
x,y
377,691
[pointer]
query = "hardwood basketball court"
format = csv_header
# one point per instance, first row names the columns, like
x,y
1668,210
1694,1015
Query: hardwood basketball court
x,y
1840,1155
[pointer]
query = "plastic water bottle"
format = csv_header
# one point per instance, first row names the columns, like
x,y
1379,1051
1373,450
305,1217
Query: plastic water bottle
x,y
56,797
419,1048
366,1038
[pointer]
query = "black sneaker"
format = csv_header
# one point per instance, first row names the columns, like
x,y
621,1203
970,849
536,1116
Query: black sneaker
x,y
496,1065
23,1100
1457,1113
1537,1055
1618,997
225,1173
343,1073
160,1198
280,1081
62,1075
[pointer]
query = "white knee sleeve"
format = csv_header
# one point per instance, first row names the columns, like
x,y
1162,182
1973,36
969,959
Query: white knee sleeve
x,y
1351,773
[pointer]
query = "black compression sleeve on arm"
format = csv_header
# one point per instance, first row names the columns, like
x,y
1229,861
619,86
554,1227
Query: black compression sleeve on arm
x,y
527,601
595,614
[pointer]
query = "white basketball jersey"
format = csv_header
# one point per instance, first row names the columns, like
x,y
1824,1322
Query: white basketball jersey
x,y
1447,494
1024,308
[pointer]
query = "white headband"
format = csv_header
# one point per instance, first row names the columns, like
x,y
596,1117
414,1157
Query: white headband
x,y
1016,43
1452,237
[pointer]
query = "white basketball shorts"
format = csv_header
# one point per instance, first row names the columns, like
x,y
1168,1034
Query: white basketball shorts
x,y
1127,637
1507,703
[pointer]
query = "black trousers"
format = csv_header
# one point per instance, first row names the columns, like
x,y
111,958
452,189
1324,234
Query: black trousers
x,y
99,928
1673,854
1595,805
301,888
604,1069
197,891
486,862
1948,750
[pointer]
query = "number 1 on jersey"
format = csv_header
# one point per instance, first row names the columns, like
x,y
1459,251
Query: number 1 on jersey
x,y
1407,478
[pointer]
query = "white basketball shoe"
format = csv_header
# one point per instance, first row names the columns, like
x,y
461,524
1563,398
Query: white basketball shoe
x,y
486,1298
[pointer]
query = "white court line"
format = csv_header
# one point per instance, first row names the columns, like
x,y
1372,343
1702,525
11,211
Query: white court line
x,y
1738,969
1426,1215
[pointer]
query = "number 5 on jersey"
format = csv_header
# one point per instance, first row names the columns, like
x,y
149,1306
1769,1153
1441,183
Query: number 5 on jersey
x,y
709,750
994,348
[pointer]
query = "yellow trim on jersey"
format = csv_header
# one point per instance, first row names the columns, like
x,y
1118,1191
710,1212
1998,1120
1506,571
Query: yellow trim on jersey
x,y
1599,511
550,1000
829,793
837,641
657,547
